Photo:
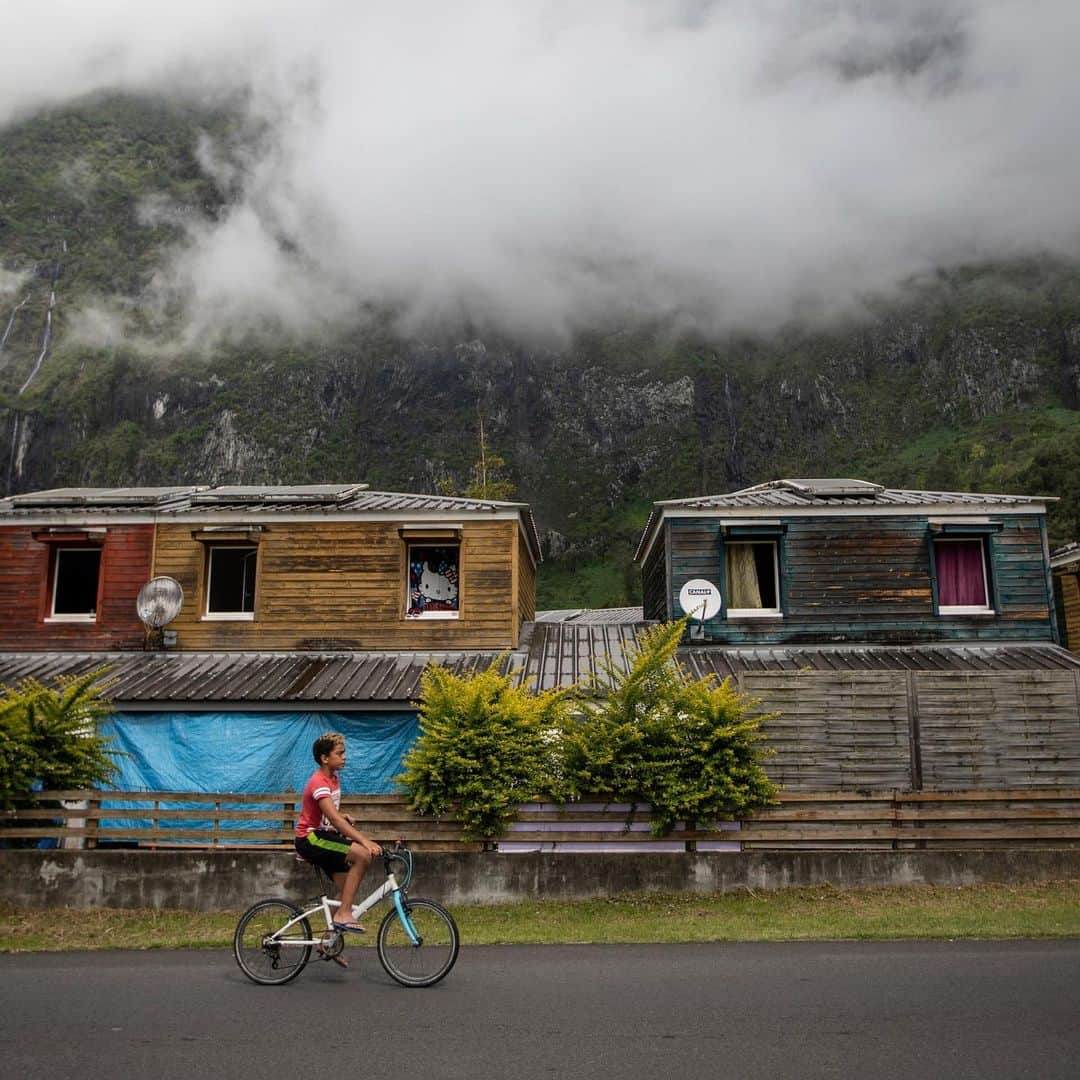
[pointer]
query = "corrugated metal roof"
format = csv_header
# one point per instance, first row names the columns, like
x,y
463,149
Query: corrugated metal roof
x,y
593,615
996,657
1064,556
553,655
238,501
802,494
266,678
561,654
793,495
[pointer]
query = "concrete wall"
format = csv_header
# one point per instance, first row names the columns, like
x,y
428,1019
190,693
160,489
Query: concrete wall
x,y
224,881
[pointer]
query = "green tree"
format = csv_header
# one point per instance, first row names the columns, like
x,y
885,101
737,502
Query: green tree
x,y
51,736
485,746
488,478
690,748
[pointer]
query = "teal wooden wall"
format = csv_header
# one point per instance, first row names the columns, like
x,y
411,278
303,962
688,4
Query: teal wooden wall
x,y
654,579
868,580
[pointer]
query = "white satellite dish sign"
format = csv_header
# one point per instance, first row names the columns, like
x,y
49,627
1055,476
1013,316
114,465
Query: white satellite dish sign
x,y
159,602
700,599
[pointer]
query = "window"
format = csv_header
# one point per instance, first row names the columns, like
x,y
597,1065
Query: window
x,y
76,572
230,582
963,587
434,588
753,578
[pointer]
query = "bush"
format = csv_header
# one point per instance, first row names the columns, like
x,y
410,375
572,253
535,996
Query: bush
x,y
485,746
49,737
688,747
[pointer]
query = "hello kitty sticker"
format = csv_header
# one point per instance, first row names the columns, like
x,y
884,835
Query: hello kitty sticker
x,y
433,582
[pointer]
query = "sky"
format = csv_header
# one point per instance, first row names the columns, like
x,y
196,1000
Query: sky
x,y
539,168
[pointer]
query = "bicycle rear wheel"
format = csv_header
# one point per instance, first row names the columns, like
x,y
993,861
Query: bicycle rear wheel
x,y
267,954
426,955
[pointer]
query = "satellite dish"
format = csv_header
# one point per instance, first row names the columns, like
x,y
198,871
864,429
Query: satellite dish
x,y
159,601
700,599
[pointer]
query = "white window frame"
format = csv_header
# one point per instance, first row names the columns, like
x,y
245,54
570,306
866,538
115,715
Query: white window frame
x,y
228,616
72,616
425,616
965,609
756,613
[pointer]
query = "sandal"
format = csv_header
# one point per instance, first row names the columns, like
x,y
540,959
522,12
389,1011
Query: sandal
x,y
350,927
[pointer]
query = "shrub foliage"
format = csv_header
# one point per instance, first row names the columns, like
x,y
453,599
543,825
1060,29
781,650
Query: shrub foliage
x,y
485,746
49,737
690,748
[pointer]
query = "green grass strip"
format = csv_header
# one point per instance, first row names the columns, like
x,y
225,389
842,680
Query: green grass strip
x,y
1046,910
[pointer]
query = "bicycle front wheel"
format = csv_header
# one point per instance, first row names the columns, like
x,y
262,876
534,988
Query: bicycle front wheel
x,y
268,954
422,952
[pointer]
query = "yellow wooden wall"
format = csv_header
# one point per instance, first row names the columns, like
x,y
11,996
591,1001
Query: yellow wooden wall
x,y
341,585
1068,582
526,582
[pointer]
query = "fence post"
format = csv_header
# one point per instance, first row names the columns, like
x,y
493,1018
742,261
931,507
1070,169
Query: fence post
x,y
914,735
288,818
93,821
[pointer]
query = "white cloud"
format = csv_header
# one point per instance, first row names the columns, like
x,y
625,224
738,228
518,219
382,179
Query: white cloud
x,y
541,166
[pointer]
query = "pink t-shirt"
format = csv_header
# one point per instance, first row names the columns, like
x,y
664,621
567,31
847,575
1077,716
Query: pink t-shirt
x,y
317,787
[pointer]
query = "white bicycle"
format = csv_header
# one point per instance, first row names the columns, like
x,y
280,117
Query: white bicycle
x,y
417,940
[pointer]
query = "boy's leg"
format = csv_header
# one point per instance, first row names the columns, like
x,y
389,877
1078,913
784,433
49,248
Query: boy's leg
x,y
359,860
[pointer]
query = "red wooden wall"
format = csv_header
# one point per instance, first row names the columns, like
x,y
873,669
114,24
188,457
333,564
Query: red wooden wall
x,y
126,558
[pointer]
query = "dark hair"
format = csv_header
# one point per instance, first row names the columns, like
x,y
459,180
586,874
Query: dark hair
x,y
324,744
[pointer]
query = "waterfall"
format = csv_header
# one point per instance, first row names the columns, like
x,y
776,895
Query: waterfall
x,y
45,339
11,321
14,443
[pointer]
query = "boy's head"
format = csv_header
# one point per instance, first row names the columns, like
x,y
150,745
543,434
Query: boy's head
x,y
325,744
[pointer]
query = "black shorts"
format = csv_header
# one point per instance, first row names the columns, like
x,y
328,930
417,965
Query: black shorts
x,y
326,848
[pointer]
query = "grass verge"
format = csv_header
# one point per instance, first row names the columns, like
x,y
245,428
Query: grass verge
x,y
1045,910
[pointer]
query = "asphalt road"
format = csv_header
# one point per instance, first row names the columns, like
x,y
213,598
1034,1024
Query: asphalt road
x,y
851,1009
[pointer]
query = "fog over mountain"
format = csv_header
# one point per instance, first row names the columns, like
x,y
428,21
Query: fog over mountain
x,y
536,168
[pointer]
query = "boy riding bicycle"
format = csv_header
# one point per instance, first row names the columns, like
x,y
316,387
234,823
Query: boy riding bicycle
x,y
327,837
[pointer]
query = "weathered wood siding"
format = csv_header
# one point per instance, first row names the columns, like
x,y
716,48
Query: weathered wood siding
x,y
869,580
342,585
1067,587
526,584
654,578
933,731
25,597
841,731
1019,729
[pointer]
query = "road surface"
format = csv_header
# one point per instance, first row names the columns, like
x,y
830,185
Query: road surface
x,y
851,1009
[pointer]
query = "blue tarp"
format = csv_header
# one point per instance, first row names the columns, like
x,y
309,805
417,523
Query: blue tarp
x,y
249,752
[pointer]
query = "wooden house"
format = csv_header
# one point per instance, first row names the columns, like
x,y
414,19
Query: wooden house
x,y
303,609
825,561
297,568
1065,567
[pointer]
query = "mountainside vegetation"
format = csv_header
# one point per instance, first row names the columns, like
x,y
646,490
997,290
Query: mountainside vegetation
x,y
967,379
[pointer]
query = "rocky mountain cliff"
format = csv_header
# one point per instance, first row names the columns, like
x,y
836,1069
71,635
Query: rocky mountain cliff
x,y
967,379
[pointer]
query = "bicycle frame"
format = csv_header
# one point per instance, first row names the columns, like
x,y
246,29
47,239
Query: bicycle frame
x,y
327,906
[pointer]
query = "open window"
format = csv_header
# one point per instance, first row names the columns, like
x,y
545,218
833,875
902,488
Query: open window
x,y
76,579
230,581
962,572
752,570
434,585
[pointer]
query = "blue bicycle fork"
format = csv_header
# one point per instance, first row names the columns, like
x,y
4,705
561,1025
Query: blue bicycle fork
x,y
403,915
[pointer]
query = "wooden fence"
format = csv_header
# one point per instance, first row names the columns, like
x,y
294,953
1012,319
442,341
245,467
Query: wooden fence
x,y
799,821
920,730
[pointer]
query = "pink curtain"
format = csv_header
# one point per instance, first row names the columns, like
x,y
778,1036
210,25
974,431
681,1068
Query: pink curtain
x,y
960,573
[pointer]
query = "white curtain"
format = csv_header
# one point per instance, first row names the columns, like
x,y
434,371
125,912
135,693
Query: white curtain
x,y
742,579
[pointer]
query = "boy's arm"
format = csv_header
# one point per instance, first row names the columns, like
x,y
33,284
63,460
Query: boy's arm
x,y
345,827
